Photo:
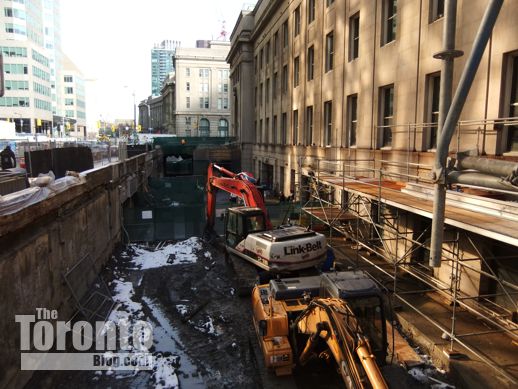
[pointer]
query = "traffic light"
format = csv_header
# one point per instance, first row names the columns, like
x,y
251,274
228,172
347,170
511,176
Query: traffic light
x,y
98,124
139,128
68,126
38,122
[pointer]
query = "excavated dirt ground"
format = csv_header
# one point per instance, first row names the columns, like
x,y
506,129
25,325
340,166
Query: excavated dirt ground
x,y
202,329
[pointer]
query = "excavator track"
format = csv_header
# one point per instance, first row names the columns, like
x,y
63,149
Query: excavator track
x,y
246,274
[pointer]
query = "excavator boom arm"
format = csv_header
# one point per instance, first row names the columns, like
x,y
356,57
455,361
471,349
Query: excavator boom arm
x,y
236,185
342,342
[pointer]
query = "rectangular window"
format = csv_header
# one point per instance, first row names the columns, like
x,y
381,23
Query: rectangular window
x,y
510,100
69,90
16,85
220,103
204,102
296,66
13,51
188,86
433,84
296,21
386,118
311,11
308,129
260,136
328,122
261,58
285,34
204,73
284,79
204,86
11,68
284,124
267,131
352,119
267,53
225,102
267,91
311,63
275,82
187,72
329,51
188,102
275,43
274,131
354,36
436,10
15,101
261,95
389,17
295,126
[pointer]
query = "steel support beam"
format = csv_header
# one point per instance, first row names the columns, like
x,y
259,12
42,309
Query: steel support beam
x,y
450,123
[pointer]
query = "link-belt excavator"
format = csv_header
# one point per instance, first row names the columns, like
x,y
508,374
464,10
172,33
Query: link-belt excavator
x,y
249,233
337,317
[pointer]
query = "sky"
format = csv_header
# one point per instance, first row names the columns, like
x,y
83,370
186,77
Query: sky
x,y
110,41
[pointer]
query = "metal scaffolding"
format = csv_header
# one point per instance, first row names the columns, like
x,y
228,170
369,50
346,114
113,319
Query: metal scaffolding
x,y
349,198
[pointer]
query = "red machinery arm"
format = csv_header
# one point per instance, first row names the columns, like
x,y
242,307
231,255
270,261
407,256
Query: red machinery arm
x,y
235,184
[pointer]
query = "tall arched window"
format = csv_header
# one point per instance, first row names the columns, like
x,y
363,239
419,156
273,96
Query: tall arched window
x,y
204,127
223,127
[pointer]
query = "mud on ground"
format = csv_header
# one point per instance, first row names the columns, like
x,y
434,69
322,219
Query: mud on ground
x,y
202,330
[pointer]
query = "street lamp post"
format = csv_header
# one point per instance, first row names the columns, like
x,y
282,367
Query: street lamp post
x,y
134,113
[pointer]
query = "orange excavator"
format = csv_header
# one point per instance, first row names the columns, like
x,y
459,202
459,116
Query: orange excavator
x,y
249,233
337,317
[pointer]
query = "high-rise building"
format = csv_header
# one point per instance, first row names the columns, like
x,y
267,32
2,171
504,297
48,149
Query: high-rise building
x,y
27,67
161,63
30,42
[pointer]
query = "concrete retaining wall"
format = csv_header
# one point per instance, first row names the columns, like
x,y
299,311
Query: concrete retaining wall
x,y
39,244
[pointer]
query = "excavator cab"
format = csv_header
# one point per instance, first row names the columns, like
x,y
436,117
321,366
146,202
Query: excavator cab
x,y
241,221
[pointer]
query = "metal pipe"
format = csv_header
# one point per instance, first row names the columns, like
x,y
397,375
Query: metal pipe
x,y
480,179
448,55
485,165
468,74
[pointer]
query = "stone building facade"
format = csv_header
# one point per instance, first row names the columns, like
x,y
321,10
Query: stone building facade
x,y
202,90
357,80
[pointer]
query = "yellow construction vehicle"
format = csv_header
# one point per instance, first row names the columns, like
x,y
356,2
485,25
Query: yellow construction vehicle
x,y
337,317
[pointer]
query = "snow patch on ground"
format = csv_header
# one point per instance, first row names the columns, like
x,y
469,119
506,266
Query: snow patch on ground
x,y
125,306
167,255
207,326
164,373
182,309
425,374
